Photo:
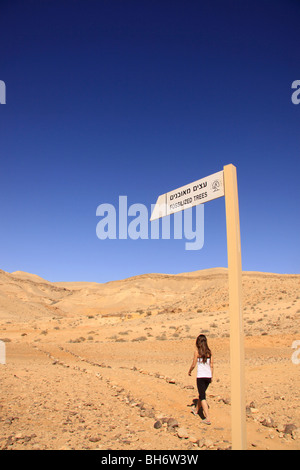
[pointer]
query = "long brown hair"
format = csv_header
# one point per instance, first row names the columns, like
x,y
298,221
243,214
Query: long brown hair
x,y
203,349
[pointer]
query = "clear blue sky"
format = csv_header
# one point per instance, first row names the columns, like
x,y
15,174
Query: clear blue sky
x,y
108,98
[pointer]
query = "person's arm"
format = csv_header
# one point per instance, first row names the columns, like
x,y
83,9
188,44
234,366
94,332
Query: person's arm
x,y
194,362
212,367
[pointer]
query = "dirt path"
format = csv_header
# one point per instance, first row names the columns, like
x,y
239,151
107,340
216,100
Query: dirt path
x,y
98,396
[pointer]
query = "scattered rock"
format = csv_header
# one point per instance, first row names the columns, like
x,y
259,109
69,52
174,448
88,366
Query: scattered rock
x,y
201,442
226,401
182,433
280,428
170,381
149,413
268,422
208,443
289,428
172,423
95,439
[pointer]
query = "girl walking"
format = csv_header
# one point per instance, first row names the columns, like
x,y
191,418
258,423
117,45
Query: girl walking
x,y
204,361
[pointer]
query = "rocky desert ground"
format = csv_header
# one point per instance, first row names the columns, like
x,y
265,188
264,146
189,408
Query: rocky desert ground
x,y
105,366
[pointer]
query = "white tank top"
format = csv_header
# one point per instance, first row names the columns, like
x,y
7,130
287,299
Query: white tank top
x,y
203,369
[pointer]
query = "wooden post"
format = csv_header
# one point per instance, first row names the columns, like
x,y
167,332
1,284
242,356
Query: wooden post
x,y
237,353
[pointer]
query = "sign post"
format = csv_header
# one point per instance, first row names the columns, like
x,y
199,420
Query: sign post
x,y
238,405
223,183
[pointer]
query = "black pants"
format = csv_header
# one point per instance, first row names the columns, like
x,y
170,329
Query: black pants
x,y
202,384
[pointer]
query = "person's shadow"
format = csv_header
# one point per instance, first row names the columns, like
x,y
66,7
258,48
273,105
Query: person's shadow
x,y
200,413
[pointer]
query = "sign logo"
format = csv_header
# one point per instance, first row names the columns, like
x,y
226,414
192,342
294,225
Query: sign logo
x,y
216,185
2,92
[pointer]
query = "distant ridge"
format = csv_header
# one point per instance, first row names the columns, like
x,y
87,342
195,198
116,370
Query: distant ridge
x,y
28,276
26,296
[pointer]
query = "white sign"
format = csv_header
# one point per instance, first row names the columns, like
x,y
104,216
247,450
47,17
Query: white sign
x,y
203,190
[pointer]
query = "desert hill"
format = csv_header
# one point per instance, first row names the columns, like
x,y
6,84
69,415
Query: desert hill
x,y
25,296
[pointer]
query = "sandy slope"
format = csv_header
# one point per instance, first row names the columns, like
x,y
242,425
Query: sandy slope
x,y
97,365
